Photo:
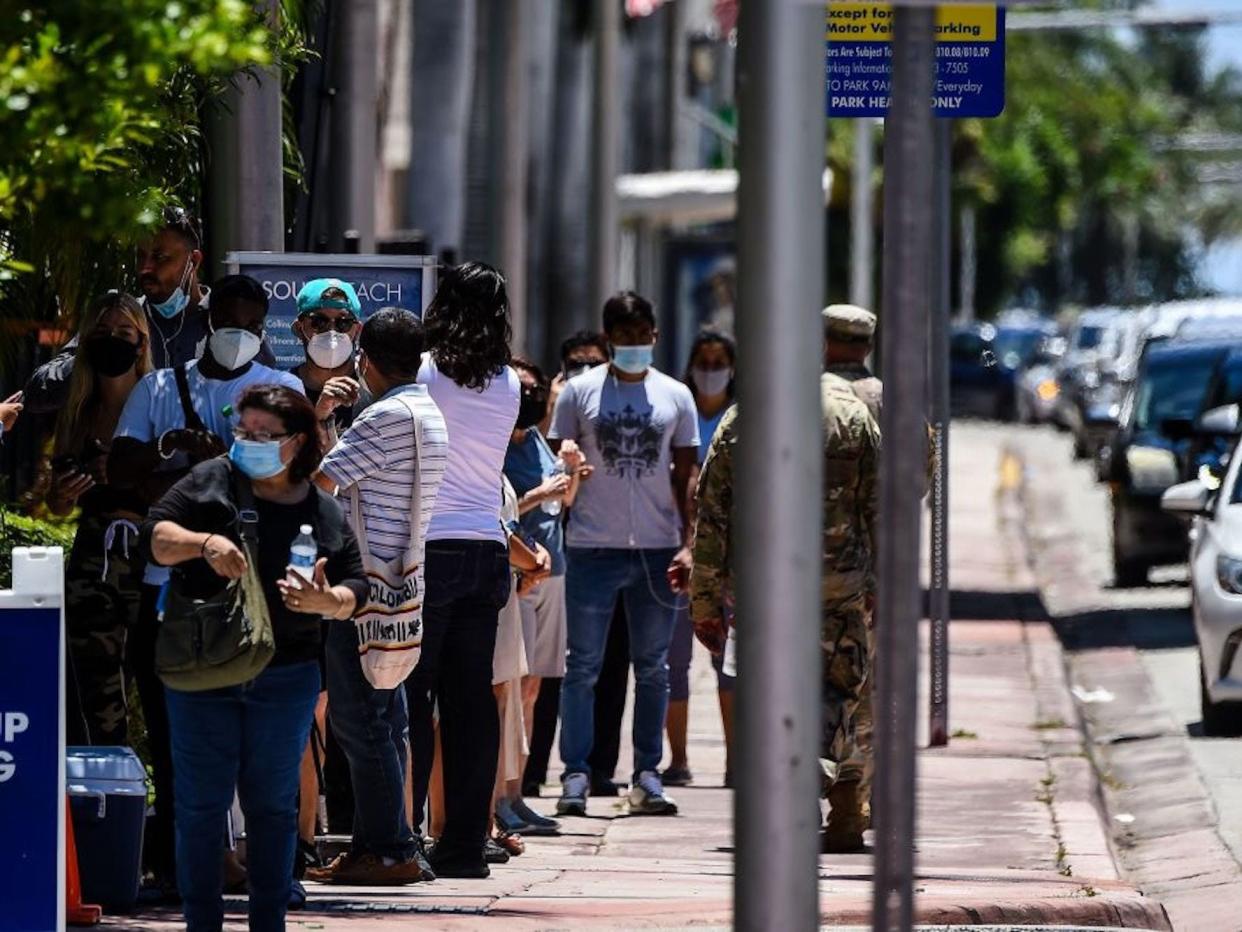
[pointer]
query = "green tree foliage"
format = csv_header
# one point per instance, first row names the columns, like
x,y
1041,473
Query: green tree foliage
x,y
1086,192
100,114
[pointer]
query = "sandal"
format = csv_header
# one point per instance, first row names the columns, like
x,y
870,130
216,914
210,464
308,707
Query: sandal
x,y
511,842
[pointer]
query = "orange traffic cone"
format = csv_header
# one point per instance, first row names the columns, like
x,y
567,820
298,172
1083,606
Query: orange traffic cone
x,y
76,913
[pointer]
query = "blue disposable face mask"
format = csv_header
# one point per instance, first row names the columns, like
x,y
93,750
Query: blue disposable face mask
x,y
633,360
258,459
177,301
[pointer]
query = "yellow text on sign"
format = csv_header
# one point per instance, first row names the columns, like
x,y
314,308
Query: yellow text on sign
x,y
854,21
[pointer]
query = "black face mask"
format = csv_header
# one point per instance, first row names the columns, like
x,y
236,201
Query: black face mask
x,y
111,356
533,409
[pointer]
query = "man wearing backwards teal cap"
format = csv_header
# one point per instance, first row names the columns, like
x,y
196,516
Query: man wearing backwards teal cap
x,y
328,325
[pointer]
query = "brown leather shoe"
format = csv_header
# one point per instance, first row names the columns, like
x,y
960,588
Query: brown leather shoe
x,y
365,870
846,822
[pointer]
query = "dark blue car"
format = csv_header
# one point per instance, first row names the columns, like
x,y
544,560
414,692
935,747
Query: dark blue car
x,y
984,363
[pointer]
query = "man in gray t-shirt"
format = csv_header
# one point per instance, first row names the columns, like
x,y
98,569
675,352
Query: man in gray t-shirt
x,y
626,538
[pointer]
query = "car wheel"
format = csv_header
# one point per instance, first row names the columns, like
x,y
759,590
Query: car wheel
x,y
1220,719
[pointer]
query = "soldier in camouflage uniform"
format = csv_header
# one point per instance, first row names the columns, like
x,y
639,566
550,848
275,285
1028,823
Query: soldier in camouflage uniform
x,y
849,335
851,449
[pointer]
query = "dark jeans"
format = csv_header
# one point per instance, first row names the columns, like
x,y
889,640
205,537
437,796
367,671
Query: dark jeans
x,y
371,725
158,848
467,585
250,737
610,691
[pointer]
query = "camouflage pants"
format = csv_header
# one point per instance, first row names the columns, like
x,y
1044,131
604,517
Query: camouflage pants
x,y
860,768
843,641
102,586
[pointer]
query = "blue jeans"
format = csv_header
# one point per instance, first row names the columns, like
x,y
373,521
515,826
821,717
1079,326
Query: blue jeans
x,y
594,580
371,726
250,737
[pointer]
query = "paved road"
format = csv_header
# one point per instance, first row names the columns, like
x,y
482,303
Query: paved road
x,y
1137,643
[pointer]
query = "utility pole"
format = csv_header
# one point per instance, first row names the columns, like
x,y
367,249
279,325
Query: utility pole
x,y
968,263
907,266
780,80
938,678
605,152
246,189
862,234
354,126
513,165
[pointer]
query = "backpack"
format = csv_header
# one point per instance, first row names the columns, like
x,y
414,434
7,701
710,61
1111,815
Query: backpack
x,y
225,640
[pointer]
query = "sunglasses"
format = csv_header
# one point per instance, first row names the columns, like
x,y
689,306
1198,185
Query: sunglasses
x,y
321,323
260,436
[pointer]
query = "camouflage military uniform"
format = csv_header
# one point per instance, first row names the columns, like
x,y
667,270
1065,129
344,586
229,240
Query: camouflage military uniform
x,y
102,585
851,447
860,768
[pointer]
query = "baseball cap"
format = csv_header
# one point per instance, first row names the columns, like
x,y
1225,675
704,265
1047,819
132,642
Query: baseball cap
x,y
328,292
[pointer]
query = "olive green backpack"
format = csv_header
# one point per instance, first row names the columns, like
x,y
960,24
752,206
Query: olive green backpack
x,y
225,640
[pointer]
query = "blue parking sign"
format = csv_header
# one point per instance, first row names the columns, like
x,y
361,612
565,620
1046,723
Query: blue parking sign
x,y
970,60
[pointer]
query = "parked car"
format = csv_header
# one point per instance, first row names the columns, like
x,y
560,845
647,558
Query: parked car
x,y
1084,378
1149,452
985,360
1216,582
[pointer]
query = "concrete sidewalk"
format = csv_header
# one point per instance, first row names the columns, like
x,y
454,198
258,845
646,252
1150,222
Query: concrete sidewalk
x,y
1009,832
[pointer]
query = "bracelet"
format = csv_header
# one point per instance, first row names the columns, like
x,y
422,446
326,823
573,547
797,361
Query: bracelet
x,y
202,552
159,446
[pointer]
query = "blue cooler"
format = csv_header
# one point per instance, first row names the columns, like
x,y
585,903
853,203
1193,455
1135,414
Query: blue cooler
x,y
108,798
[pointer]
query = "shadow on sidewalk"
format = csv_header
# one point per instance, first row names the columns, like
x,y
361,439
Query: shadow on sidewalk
x,y
1141,628
971,605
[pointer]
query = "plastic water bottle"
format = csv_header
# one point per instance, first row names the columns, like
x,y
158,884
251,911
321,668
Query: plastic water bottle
x,y
729,666
553,505
303,552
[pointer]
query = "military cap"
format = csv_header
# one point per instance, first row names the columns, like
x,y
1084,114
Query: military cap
x,y
848,322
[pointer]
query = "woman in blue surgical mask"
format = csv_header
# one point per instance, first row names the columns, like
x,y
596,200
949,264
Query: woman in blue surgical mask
x,y
709,374
257,730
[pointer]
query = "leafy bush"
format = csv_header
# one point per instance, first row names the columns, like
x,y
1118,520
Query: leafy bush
x,y
17,530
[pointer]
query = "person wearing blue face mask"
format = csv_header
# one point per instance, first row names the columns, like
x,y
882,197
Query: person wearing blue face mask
x,y
167,269
626,540
252,736
172,420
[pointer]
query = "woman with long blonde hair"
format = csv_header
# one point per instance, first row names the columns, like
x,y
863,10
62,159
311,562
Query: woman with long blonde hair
x,y
102,576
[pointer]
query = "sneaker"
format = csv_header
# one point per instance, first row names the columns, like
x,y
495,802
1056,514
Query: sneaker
x,y
367,870
677,776
509,820
574,790
647,796
537,824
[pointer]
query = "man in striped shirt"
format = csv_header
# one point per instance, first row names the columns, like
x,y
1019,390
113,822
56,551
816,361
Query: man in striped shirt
x,y
377,461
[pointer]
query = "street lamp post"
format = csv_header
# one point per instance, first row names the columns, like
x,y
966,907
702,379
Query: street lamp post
x,y
779,462
907,283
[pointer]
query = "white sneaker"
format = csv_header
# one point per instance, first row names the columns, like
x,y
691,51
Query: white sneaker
x,y
647,796
574,790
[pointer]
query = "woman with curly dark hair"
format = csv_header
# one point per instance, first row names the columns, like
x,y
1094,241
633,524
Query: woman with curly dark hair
x,y
467,374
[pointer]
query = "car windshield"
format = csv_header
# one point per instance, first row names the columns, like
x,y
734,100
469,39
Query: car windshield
x,y
1228,388
1171,389
1015,348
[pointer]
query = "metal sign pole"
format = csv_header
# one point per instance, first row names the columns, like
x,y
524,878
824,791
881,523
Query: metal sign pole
x,y
605,152
779,463
940,414
907,263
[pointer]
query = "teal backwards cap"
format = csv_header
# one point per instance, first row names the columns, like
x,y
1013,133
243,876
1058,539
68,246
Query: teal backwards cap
x,y
328,292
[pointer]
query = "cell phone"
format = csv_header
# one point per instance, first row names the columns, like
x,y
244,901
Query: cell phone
x,y
65,462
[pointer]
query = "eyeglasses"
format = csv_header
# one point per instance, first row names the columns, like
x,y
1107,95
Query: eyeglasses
x,y
258,436
321,323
